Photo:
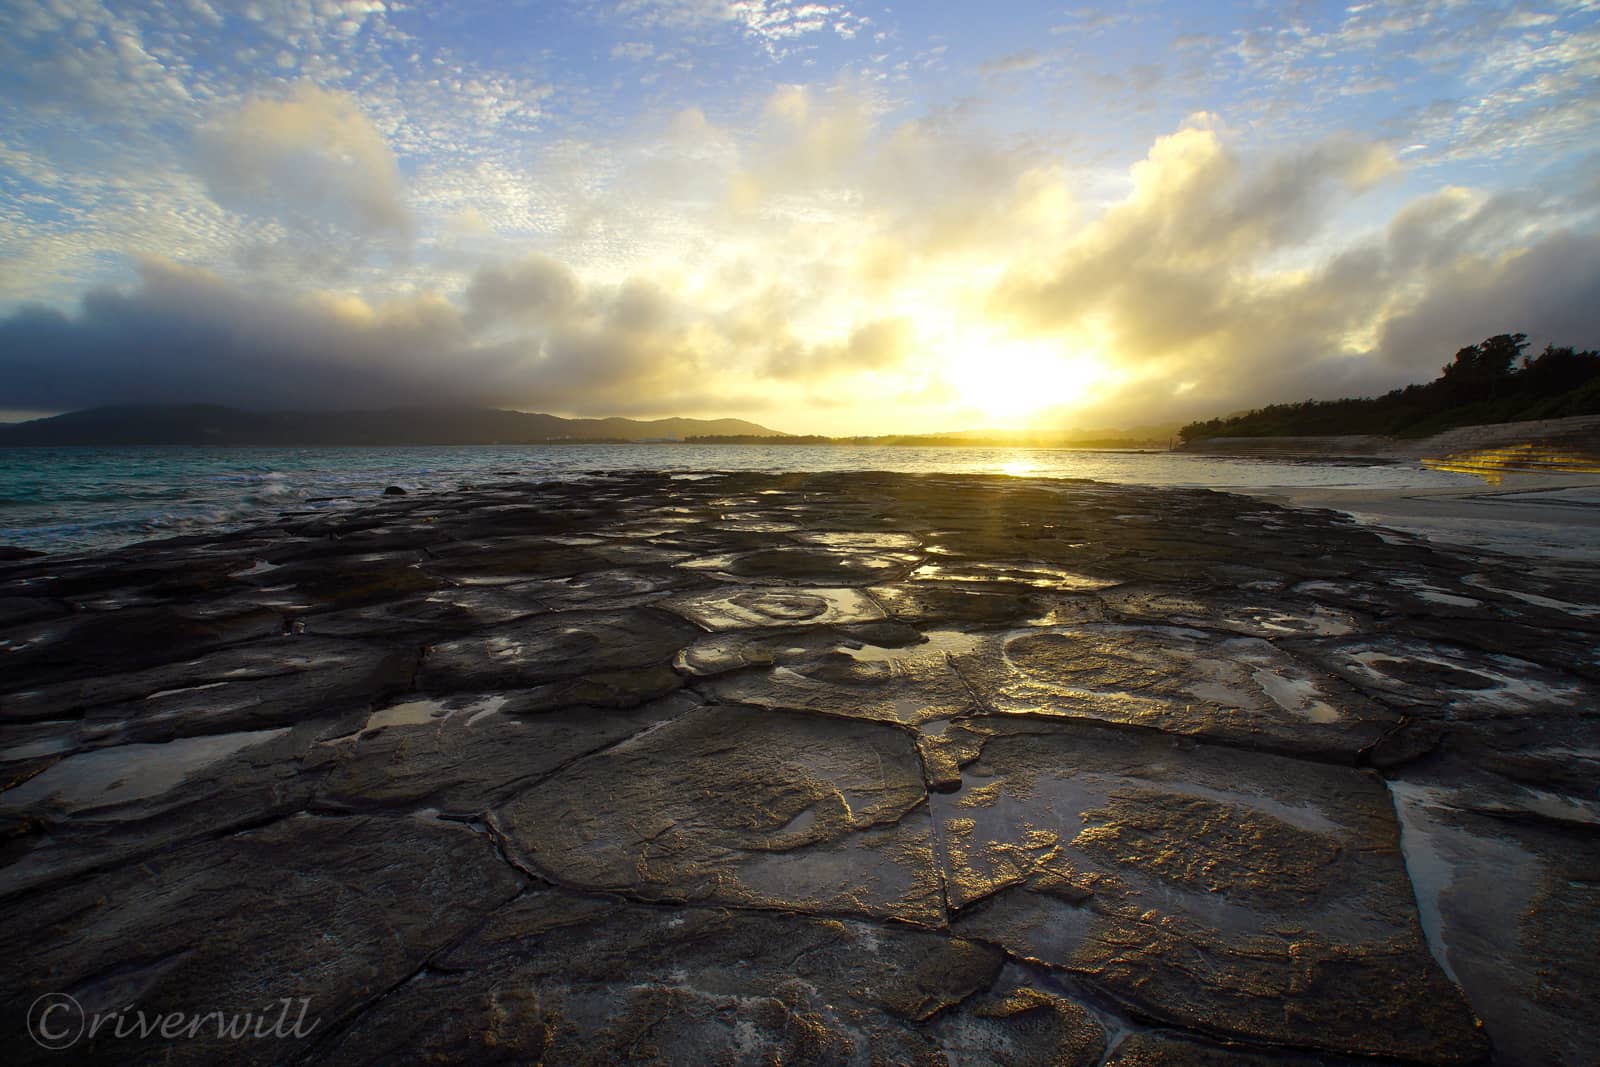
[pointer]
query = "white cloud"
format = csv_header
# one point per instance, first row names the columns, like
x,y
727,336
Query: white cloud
x,y
309,158
775,25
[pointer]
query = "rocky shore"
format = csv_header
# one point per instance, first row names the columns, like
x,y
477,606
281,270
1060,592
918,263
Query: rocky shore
x,y
827,768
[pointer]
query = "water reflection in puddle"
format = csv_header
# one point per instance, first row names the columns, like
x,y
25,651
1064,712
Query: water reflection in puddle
x,y
938,644
738,609
425,711
1037,575
129,772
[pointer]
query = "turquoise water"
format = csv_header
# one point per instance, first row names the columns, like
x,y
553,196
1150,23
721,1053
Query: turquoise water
x,y
77,499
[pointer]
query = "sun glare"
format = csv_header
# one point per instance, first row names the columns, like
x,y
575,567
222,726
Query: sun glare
x,y
1011,382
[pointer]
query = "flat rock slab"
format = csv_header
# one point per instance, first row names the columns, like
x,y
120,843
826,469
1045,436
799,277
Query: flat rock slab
x,y
1217,889
1508,883
337,911
110,806
554,646
272,681
1178,680
806,768
570,979
732,608
464,753
850,676
742,806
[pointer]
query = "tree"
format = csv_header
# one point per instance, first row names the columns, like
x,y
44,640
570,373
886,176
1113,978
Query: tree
x,y
1478,370
1485,383
1556,370
1489,360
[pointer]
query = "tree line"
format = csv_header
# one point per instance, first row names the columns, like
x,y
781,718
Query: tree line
x,y
1492,381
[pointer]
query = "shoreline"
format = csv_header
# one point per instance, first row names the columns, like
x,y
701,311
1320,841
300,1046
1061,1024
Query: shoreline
x,y
1547,440
1539,497
1533,513
1553,516
114,497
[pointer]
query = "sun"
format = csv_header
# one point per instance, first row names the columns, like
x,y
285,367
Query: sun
x,y
1012,381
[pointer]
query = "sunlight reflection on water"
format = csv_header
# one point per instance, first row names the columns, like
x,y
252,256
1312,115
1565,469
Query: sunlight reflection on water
x,y
85,498
1492,464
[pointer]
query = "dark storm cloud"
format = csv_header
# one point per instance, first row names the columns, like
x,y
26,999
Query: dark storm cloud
x,y
187,335
532,335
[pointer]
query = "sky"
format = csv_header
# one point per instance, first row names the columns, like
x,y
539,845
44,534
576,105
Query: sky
x,y
826,217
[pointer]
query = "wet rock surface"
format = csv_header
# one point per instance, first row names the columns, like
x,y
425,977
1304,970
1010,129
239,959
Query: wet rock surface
x,y
832,768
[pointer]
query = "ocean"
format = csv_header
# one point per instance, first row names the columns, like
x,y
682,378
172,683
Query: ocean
x,y
86,499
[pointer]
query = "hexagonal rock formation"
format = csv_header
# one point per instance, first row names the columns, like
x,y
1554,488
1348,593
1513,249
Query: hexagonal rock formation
x,y
845,768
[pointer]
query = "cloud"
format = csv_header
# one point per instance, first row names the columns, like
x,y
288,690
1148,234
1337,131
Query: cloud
x,y
1197,216
1184,285
81,60
535,290
807,143
531,335
813,244
880,345
927,187
1551,289
774,24
1015,63
188,334
1496,80
311,159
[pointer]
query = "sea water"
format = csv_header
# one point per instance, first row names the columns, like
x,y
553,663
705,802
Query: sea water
x,y
83,499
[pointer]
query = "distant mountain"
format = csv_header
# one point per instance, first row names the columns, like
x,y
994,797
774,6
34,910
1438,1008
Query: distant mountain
x,y
207,424
1144,438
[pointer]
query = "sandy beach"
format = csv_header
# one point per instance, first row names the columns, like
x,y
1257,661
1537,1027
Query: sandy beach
x,y
1553,516
1539,494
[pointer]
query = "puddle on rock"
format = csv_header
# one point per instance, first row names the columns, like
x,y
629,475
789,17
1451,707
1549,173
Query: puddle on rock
x,y
1437,853
767,607
111,776
1582,610
1037,575
939,644
425,711
1298,695
866,542
1468,685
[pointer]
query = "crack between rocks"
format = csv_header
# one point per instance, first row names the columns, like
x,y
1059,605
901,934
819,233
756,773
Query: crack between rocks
x,y
1086,989
312,1050
490,827
972,689
242,825
536,780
